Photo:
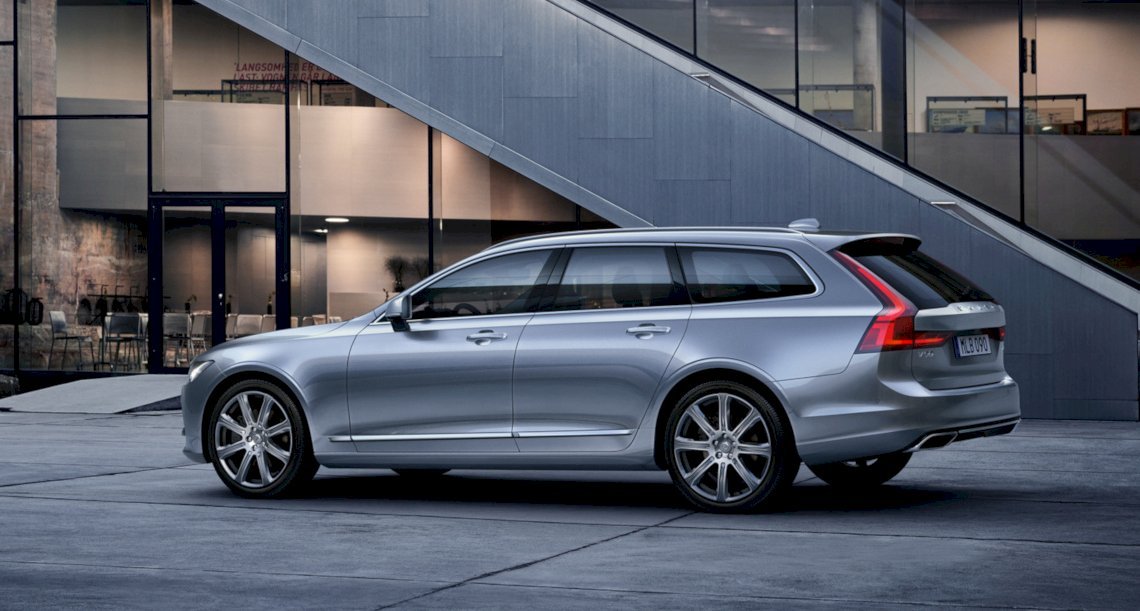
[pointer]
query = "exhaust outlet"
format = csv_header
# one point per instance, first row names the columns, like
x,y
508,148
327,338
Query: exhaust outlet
x,y
933,441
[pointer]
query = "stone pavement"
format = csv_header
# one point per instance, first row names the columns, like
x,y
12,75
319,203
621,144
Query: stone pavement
x,y
104,512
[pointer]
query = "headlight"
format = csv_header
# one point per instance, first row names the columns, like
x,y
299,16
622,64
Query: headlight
x,y
198,367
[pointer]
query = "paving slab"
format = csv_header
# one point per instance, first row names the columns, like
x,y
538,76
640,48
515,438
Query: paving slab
x,y
492,597
38,585
868,570
631,500
251,540
110,395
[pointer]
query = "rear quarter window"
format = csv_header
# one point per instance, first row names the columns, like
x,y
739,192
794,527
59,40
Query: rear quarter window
x,y
716,275
923,280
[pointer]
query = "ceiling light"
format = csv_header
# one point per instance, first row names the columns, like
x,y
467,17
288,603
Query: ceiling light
x,y
336,219
321,230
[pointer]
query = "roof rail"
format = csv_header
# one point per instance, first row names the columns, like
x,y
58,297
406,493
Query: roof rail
x,y
648,230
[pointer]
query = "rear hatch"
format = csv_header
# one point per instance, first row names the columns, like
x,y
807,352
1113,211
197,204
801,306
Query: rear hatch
x,y
958,329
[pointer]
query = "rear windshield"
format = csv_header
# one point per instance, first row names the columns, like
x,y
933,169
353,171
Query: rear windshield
x,y
924,281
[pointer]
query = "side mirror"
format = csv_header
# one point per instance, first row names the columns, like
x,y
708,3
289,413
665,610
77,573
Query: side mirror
x,y
398,312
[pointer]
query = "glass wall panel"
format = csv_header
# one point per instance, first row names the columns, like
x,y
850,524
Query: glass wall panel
x,y
83,255
82,57
1083,142
963,80
669,19
7,199
840,65
754,41
219,111
481,202
359,189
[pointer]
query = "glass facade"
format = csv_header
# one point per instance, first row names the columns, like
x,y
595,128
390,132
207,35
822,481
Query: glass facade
x,y
267,193
252,183
1019,104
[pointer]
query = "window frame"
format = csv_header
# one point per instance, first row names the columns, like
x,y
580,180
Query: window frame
x,y
672,260
795,258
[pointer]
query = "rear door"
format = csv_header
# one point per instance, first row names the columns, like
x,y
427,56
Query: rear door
x,y
969,320
587,366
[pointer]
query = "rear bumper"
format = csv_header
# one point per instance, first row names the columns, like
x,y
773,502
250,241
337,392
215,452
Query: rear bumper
x,y
876,417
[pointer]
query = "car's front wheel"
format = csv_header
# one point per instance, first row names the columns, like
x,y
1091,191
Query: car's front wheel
x,y
259,443
728,449
861,473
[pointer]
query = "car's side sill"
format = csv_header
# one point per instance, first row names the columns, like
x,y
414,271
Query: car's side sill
x,y
447,436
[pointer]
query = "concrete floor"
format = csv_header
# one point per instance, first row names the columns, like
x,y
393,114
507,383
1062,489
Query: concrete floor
x,y
104,512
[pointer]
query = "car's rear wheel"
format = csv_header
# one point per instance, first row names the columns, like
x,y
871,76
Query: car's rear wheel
x,y
861,473
728,449
420,473
259,442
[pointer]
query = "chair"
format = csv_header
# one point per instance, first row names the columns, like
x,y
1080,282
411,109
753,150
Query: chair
x,y
124,329
201,324
247,324
60,332
293,322
319,319
268,323
176,328
306,321
231,323
335,319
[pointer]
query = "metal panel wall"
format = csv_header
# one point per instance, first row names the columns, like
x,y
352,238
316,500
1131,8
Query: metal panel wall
x,y
594,117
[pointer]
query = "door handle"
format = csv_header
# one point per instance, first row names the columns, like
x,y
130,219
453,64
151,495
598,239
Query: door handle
x,y
486,336
647,330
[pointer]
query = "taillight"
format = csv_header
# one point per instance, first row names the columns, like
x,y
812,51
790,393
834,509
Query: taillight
x,y
893,327
996,333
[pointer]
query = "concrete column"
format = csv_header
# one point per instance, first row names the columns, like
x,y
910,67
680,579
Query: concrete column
x,y
162,78
866,60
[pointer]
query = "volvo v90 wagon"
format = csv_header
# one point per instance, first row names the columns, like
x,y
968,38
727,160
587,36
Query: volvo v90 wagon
x,y
725,356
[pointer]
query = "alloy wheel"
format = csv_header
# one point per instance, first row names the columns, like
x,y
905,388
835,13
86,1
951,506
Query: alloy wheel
x,y
723,447
253,439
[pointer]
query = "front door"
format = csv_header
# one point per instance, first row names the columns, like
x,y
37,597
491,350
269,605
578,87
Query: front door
x,y
443,383
219,271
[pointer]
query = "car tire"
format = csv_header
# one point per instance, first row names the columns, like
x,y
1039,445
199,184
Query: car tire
x,y
728,449
420,473
863,473
258,441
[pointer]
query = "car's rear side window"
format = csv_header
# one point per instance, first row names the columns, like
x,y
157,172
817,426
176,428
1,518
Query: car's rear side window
x,y
717,275
923,280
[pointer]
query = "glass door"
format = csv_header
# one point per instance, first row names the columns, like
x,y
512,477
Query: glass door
x,y
219,271
1082,156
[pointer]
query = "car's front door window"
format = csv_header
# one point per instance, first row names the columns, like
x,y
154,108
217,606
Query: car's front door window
x,y
504,285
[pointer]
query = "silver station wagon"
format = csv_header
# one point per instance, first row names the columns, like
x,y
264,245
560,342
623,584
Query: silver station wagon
x,y
725,356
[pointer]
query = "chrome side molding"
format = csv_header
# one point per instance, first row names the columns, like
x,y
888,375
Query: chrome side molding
x,y
459,436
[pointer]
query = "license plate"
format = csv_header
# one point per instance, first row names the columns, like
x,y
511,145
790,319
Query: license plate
x,y
973,345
